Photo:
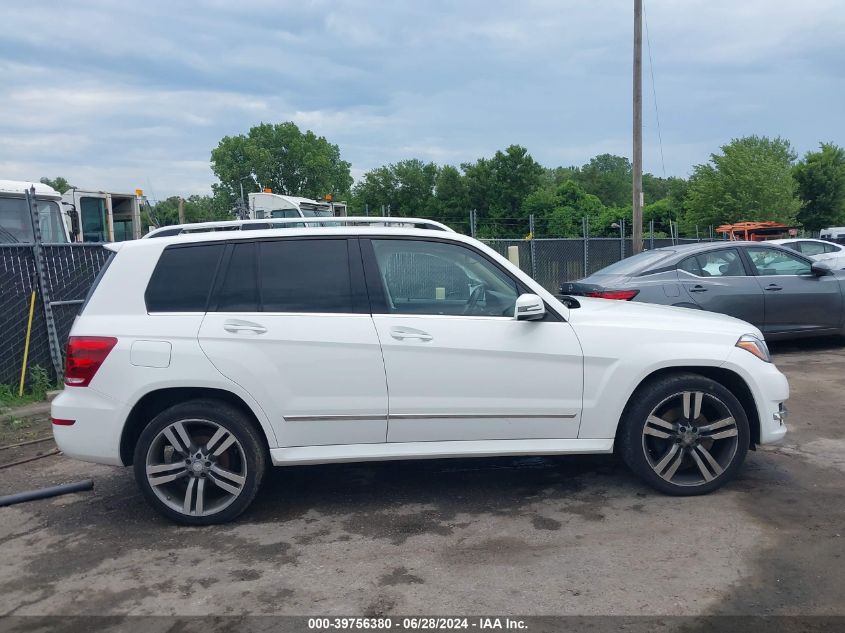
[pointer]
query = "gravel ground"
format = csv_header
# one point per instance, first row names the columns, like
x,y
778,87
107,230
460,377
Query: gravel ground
x,y
575,535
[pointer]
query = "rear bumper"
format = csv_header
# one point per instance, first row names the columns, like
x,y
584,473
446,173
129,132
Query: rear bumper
x,y
95,433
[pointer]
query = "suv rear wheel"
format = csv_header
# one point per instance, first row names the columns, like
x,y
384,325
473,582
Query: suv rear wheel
x,y
684,435
200,462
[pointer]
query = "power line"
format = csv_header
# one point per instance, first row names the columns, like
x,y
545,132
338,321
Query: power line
x,y
654,90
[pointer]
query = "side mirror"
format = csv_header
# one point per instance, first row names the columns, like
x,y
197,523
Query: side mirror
x,y
820,269
529,308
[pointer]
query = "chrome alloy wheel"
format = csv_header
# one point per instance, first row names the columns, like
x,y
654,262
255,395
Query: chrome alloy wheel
x,y
196,467
690,438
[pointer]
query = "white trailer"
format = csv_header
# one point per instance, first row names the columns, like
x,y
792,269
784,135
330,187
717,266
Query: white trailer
x,y
16,221
103,216
266,205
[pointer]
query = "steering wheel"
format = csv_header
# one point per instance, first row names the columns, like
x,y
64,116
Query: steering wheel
x,y
474,298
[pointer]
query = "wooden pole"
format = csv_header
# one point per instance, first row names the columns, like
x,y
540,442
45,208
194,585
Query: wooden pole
x,y
637,229
181,210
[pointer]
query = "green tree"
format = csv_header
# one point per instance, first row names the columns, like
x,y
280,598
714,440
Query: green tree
x,y
283,158
558,211
58,183
821,187
415,182
452,199
407,187
197,209
497,186
750,180
609,177
655,188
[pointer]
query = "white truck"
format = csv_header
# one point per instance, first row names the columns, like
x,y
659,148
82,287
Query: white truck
x,y
833,234
267,205
102,216
16,221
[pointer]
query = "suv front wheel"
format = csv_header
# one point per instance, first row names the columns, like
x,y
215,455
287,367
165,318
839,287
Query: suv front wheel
x,y
684,434
200,462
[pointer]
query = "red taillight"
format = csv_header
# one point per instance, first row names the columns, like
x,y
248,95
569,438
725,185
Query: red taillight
x,y
59,422
84,356
621,295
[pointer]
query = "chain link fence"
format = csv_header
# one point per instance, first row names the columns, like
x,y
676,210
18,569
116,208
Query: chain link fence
x,y
552,261
68,271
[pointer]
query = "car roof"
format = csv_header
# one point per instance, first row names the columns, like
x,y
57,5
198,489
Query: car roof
x,y
278,223
321,231
699,247
790,240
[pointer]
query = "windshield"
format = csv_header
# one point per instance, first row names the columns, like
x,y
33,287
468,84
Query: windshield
x,y
317,213
635,263
16,226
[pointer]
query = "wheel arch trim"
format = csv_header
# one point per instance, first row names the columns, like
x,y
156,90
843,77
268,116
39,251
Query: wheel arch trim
x,y
725,376
156,400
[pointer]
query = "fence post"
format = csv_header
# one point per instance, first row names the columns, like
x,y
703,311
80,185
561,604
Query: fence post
x,y
40,273
651,234
532,249
472,223
585,231
622,238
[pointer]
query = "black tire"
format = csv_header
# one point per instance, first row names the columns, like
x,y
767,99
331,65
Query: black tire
x,y
244,462
645,454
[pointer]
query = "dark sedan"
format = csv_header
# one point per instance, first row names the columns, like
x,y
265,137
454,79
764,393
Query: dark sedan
x,y
781,292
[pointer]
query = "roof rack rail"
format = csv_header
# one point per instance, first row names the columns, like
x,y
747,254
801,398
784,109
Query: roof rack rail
x,y
269,223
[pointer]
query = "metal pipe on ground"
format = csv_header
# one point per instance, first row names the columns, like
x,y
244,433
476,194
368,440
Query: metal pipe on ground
x,y
46,493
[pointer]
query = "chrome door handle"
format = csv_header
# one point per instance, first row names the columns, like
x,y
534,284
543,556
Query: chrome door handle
x,y
236,326
409,333
698,288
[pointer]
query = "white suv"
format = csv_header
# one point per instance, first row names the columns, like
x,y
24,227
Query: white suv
x,y
201,358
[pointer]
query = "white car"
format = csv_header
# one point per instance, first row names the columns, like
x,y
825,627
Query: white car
x,y
819,250
199,359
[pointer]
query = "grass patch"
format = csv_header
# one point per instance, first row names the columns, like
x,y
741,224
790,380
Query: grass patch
x,y
39,384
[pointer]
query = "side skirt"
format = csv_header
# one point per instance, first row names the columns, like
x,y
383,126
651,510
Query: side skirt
x,y
434,450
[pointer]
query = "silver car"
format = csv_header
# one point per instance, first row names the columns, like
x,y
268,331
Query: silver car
x,y
782,292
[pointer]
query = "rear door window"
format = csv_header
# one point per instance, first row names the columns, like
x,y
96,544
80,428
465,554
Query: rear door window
x,y
239,287
309,275
812,248
182,279
721,263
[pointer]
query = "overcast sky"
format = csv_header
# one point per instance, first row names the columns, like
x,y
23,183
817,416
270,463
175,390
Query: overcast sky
x,y
118,95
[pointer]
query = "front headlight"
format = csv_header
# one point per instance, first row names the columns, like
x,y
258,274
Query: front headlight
x,y
756,346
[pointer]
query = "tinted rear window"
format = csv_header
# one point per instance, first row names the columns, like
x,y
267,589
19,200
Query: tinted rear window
x,y
305,276
239,289
635,263
182,278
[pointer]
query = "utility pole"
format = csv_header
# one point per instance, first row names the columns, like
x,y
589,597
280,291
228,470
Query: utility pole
x,y
637,229
181,210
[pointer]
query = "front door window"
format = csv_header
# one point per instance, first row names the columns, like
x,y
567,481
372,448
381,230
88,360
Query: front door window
x,y
422,277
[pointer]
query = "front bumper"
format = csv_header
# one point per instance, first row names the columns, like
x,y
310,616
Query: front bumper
x,y
770,390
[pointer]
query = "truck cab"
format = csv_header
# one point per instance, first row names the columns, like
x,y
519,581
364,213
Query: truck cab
x,y
102,216
266,205
15,220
